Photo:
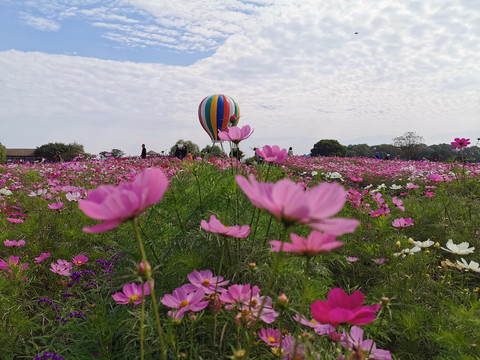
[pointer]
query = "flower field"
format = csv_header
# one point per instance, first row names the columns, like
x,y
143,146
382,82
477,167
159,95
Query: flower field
x,y
288,258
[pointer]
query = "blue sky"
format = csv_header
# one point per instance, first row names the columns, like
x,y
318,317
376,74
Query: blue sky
x,y
119,73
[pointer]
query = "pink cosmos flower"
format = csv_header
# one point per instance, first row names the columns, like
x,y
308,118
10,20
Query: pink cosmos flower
x,y
270,336
429,194
320,329
205,281
115,204
341,308
402,223
12,260
352,259
316,243
62,267
379,261
132,294
42,257
14,221
460,143
398,203
235,134
291,204
288,346
183,300
80,259
239,295
272,154
14,242
215,226
55,206
356,342
13,267
411,186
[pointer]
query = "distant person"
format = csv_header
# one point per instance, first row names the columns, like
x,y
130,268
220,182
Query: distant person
x,y
387,157
144,152
377,156
183,152
178,152
290,151
189,156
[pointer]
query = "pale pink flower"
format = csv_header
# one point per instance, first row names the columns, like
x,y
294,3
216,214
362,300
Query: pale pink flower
x,y
132,294
205,281
62,267
352,259
411,186
316,243
270,336
183,300
398,203
291,204
55,206
115,204
14,242
215,226
356,342
272,154
235,134
42,257
402,223
320,329
80,259
379,261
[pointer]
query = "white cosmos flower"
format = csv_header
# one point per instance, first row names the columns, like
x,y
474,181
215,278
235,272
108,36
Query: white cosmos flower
x,y
5,191
314,173
472,266
395,187
73,196
423,244
460,249
412,251
333,175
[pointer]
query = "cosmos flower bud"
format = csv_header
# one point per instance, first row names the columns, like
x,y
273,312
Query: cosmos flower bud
x,y
437,245
411,241
144,269
398,243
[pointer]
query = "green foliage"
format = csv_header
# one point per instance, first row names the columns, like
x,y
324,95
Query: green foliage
x,y
3,154
189,145
212,151
59,151
328,148
114,153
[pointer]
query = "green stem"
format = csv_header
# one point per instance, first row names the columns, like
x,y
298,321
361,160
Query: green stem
x,y
150,287
178,214
303,303
142,319
376,332
199,194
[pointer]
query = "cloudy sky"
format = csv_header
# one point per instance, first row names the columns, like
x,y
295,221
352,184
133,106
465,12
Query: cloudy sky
x,y
118,73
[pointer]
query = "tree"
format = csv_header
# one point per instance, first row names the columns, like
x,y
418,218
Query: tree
x,y
384,149
59,151
212,151
328,147
410,144
191,147
3,154
114,153
360,150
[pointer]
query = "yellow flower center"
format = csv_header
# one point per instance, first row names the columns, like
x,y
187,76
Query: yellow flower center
x,y
313,322
271,339
206,282
184,303
79,262
134,298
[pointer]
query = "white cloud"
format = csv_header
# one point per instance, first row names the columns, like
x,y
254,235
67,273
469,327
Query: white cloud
x,y
40,23
297,69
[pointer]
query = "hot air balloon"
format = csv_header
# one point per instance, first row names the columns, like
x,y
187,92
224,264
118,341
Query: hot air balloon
x,y
214,113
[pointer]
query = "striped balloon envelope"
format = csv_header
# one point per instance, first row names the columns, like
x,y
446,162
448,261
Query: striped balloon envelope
x,y
214,112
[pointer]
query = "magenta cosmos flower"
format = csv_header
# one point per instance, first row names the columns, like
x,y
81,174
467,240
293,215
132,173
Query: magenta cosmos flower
x,y
205,281
80,259
55,206
402,223
42,257
235,134
115,204
132,294
316,243
14,242
272,154
291,204
341,308
215,226
460,143
183,300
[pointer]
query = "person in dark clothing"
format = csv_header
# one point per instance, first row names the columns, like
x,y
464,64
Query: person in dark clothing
x,y
144,152
178,152
183,151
